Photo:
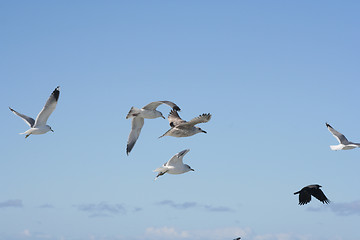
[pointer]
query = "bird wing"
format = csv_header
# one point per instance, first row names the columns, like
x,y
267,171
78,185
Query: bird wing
x,y
177,159
175,119
136,125
28,120
203,118
319,194
154,105
340,137
49,107
304,197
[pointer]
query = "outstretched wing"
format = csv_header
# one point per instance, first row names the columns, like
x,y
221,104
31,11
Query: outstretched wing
x,y
136,125
340,137
154,105
203,118
49,107
304,197
174,119
320,196
28,120
177,158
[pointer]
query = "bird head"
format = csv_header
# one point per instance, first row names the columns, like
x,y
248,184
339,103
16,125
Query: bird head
x,y
49,128
200,130
189,168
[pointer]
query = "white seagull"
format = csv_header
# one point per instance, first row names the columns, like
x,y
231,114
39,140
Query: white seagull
x,y
149,111
175,165
182,128
39,126
344,143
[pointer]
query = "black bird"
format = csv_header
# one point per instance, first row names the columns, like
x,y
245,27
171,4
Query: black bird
x,y
306,192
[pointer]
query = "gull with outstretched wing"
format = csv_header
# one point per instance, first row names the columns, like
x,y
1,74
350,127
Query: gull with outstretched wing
x,y
149,111
182,128
39,126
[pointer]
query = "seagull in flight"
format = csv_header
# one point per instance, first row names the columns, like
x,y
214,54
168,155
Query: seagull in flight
x,y
39,126
149,111
175,165
314,190
344,144
182,128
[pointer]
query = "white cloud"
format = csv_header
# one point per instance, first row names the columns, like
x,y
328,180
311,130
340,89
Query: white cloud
x,y
166,233
170,233
281,236
26,233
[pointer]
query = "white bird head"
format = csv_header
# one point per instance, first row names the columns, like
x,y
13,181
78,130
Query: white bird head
x,y
200,130
48,128
188,168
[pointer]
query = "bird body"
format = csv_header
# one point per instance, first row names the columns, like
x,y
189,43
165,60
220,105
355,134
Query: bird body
x,y
175,165
37,130
311,190
138,115
344,143
144,113
182,128
39,126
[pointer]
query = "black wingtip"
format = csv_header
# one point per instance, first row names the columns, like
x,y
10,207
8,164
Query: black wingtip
x,y
56,93
328,125
11,109
176,108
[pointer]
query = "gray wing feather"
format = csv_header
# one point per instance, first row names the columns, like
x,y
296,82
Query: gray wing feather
x,y
28,120
136,125
49,107
203,118
154,105
177,158
340,137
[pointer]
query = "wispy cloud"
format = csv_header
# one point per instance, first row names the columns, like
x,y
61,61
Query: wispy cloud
x,y
218,208
46,205
341,209
16,203
104,209
185,205
188,205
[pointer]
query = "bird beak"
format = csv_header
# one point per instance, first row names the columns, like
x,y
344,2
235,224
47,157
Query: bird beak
x,y
192,169
51,130
163,117
203,131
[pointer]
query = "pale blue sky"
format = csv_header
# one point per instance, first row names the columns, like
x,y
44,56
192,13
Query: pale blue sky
x,y
271,73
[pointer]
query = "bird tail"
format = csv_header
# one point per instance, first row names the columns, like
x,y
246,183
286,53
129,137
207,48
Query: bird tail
x,y
296,192
165,134
335,147
160,169
133,112
27,132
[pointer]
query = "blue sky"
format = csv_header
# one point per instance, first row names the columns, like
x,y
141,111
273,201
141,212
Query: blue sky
x,y
271,73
